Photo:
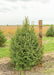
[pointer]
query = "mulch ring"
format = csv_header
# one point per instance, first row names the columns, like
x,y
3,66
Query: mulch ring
x,y
47,65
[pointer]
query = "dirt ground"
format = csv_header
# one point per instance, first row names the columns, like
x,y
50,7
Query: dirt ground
x,y
46,69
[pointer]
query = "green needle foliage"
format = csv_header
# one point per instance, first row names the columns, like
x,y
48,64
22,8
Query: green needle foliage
x,y
24,49
2,39
50,31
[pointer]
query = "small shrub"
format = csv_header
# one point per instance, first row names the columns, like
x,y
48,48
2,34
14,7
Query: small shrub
x,y
24,49
2,38
50,31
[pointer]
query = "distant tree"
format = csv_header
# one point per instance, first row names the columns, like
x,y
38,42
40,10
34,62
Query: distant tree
x,y
7,24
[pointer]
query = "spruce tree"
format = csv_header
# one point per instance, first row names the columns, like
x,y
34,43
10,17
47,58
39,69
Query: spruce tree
x,y
24,49
50,31
2,38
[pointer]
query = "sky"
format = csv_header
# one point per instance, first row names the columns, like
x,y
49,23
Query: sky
x,y
13,12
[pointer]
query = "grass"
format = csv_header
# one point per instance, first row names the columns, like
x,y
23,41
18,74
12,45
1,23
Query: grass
x,y
4,52
48,47
7,42
49,71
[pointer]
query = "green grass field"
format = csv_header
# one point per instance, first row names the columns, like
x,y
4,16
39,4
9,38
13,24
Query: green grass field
x,y
48,47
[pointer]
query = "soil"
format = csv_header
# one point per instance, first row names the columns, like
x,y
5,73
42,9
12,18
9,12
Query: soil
x,y
47,65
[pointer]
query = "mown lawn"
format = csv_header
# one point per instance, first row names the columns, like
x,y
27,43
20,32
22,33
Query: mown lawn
x,y
48,47
4,51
